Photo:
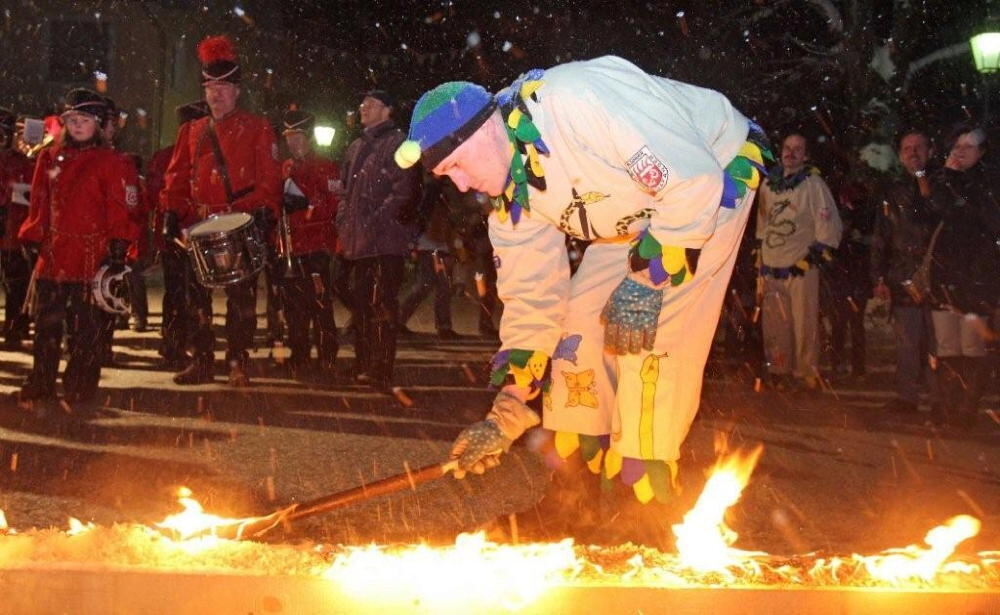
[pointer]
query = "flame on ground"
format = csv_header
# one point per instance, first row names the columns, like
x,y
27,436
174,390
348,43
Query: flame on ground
x,y
513,576
704,541
473,570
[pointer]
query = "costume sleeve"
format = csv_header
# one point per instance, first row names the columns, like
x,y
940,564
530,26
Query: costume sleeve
x,y
829,228
267,173
176,193
119,172
533,283
36,226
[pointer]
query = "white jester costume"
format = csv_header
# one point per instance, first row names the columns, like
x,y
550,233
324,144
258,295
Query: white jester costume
x,y
638,165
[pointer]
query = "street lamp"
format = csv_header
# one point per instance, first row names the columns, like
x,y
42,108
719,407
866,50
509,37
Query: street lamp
x,y
324,135
986,51
986,54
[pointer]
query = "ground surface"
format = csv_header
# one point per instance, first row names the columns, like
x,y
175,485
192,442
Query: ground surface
x,y
838,473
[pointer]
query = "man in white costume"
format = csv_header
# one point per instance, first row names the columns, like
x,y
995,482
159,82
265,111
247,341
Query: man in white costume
x,y
659,175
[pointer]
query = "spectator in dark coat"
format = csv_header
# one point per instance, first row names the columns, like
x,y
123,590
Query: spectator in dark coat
x,y
903,226
375,229
964,280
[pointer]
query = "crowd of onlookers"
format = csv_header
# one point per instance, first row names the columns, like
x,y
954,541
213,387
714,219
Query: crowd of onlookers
x,y
923,243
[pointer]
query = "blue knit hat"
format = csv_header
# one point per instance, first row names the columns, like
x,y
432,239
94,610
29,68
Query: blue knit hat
x,y
442,120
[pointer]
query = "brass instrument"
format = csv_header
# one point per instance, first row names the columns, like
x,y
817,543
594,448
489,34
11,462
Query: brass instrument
x,y
285,230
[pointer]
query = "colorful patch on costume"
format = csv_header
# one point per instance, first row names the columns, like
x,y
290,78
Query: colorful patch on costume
x,y
526,367
581,390
578,206
647,170
496,261
649,478
648,374
567,348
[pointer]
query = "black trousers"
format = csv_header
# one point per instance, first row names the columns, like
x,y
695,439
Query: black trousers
x,y
430,279
61,303
342,268
177,327
274,298
308,301
241,317
375,283
16,273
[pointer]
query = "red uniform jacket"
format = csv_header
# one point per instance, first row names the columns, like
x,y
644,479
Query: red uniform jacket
x,y
313,229
155,174
15,185
194,187
77,207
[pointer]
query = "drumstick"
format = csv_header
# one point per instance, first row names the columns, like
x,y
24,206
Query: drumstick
x,y
180,242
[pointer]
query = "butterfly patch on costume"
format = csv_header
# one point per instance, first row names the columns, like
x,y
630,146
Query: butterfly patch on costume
x,y
567,347
580,389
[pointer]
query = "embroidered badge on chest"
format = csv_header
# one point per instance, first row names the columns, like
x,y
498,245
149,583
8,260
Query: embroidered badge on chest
x,y
131,196
646,169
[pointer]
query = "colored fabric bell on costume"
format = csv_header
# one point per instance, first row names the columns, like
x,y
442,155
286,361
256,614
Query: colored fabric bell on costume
x,y
528,147
649,478
525,368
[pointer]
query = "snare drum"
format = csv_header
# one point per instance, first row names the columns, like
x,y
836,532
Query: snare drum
x,y
226,249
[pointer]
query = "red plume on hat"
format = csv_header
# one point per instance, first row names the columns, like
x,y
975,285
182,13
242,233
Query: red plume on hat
x,y
215,48
218,58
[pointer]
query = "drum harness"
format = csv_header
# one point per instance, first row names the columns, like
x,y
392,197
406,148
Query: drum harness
x,y
220,164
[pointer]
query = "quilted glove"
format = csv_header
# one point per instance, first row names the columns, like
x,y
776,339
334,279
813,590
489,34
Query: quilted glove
x,y
630,317
480,445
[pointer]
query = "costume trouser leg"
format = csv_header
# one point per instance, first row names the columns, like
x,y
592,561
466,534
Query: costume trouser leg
x,y
50,301
199,316
137,290
176,311
83,370
909,327
776,321
376,283
16,275
309,299
241,319
273,307
647,401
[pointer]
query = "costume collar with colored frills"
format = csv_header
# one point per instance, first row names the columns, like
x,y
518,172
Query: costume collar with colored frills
x,y
777,181
527,144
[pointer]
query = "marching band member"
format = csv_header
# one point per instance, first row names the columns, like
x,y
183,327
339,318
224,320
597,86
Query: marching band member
x,y
77,222
308,240
226,162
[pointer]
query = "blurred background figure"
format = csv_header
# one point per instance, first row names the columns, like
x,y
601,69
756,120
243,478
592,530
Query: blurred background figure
x,y
15,269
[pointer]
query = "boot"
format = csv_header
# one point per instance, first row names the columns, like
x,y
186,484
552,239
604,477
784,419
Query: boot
x,y
238,377
198,372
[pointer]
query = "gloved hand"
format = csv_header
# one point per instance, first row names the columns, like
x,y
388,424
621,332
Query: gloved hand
x,y
264,219
171,230
480,445
630,317
115,260
294,202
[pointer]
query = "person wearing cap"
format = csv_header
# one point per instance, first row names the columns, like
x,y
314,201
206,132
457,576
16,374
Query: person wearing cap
x,y
77,222
226,162
174,260
15,184
374,236
658,175
309,205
